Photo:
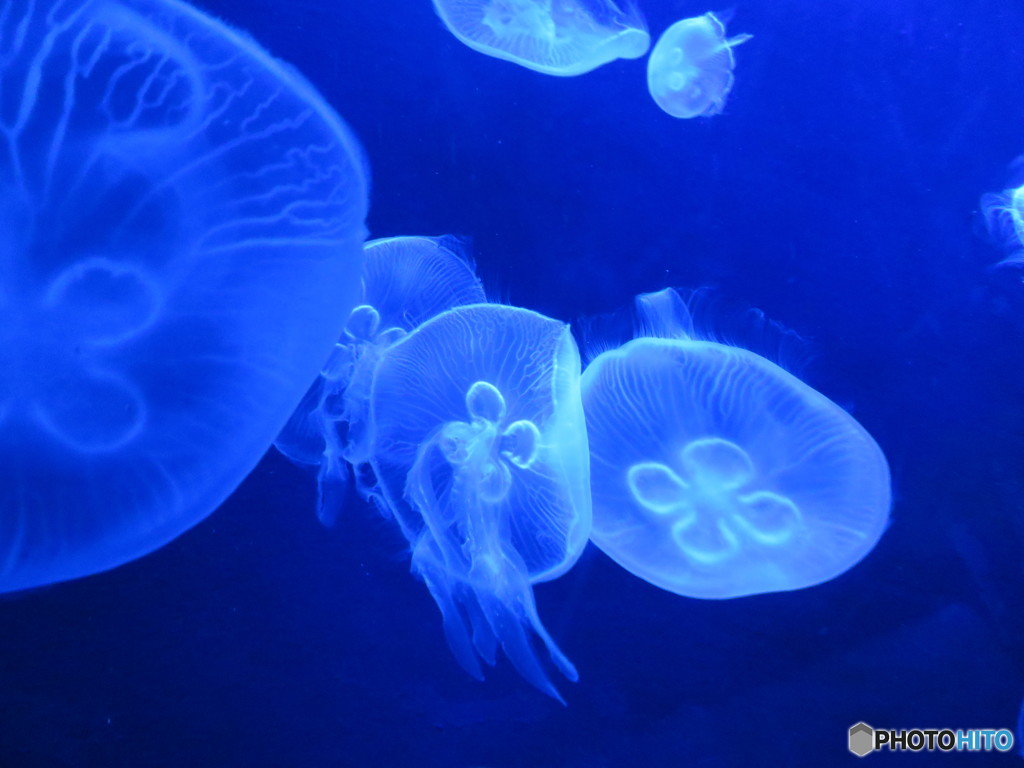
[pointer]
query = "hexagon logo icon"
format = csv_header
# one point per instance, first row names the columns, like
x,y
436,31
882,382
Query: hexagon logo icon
x,y
862,739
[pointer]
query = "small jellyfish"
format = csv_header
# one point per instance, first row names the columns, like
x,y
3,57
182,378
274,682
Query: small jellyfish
x,y
1004,214
717,474
689,72
181,223
556,37
479,443
405,281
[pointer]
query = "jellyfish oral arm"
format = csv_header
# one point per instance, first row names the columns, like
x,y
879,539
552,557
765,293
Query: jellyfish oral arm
x,y
480,583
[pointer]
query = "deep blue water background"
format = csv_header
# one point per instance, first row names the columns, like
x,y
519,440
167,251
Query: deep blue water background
x,y
838,193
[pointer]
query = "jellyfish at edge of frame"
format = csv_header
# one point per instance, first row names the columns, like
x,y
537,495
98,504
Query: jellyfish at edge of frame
x,y
1003,213
182,221
716,473
564,38
690,69
479,443
405,281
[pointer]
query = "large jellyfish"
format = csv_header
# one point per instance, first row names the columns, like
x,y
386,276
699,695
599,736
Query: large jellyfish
x,y
689,72
716,474
556,37
405,281
181,227
479,444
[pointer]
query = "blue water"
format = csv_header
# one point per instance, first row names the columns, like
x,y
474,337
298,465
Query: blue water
x,y
838,192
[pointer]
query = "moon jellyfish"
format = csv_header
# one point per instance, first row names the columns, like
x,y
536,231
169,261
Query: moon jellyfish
x,y
181,227
716,474
689,72
405,281
1004,214
479,443
556,37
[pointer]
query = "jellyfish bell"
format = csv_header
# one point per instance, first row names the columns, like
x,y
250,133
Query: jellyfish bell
x,y
690,69
410,279
183,219
716,473
477,438
405,281
564,38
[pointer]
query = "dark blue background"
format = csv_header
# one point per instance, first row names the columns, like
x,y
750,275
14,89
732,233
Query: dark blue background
x,y
839,193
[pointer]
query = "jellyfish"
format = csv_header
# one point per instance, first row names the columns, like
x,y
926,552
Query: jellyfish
x,y
1004,214
478,441
556,37
689,72
405,281
716,473
182,229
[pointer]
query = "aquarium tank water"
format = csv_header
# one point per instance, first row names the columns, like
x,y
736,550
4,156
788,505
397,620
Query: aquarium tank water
x,y
511,383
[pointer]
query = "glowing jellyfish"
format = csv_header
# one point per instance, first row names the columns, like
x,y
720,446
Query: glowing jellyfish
x,y
181,218
716,474
556,37
1004,214
689,72
406,281
479,443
